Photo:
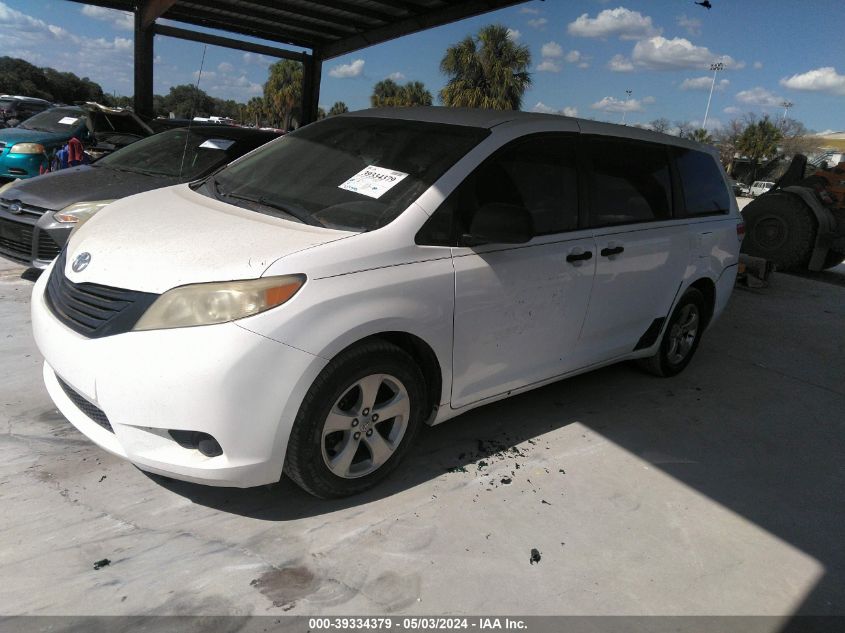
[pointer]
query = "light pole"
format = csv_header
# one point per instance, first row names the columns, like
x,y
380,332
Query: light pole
x,y
625,105
786,105
715,68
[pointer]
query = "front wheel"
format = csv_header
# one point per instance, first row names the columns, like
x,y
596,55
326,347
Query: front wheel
x,y
681,337
357,420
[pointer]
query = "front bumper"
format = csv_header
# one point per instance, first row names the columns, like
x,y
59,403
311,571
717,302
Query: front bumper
x,y
241,388
20,165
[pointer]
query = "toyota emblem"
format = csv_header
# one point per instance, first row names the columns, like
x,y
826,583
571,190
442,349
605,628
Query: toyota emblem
x,y
81,262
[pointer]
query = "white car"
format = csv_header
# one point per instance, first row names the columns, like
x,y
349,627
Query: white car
x,y
759,187
309,307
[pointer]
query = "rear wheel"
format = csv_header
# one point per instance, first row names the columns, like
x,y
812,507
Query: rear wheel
x,y
357,420
779,227
681,338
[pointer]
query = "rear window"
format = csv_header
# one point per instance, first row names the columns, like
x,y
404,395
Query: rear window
x,y
351,173
630,182
702,183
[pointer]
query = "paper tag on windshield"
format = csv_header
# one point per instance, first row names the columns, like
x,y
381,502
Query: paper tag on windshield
x,y
373,181
218,143
68,120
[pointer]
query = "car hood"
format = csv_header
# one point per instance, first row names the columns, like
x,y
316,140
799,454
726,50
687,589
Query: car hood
x,y
174,236
59,189
20,135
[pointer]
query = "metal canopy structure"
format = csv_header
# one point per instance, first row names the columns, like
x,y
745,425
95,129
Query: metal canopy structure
x,y
327,28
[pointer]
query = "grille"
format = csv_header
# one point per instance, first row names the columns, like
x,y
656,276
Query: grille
x,y
47,249
26,209
91,410
93,310
16,239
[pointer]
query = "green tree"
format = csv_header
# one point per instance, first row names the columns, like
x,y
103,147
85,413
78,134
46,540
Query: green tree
x,y
486,71
660,125
727,139
759,140
254,112
185,101
283,92
414,93
700,135
339,107
385,94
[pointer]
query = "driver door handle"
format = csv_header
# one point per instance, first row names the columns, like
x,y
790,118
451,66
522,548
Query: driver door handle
x,y
607,252
578,257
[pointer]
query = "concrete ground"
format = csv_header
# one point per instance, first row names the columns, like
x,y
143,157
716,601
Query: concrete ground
x,y
716,492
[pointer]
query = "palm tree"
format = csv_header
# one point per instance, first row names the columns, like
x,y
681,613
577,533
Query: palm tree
x,y
339,107
701,135
486,71
254,110
414,93
385,94
283,91
759,140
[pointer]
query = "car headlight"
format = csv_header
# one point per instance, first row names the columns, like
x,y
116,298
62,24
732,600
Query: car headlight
x,y
79,212
26,148
209,303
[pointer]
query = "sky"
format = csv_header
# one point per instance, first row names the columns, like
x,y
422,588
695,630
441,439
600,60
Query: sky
x,y
586,55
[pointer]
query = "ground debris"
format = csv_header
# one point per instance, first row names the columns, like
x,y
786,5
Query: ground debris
x,y
535,556
506,480
103,562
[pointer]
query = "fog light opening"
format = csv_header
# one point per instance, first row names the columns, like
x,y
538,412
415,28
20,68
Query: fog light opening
x,y
196,440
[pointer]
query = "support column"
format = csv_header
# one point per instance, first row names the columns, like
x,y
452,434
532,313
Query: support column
x,y
143,66
312,68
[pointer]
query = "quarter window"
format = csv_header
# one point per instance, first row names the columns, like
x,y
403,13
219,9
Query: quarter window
x,y
702,182
630,182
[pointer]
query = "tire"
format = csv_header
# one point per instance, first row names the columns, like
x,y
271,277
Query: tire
x,y
669,359
334,450
780,228
833,258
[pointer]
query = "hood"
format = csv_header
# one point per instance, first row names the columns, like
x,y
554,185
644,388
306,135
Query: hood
x,y
174,236
105,120
20,135
58,189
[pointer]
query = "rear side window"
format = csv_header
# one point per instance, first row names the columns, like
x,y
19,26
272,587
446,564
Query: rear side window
x,y
539,174
704,188
630,182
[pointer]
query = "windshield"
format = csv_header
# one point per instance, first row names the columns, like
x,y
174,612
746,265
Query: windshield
x,y
162,154
7,105
55,120
348,173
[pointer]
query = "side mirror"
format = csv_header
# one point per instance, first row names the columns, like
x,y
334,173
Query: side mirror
x,y
499,223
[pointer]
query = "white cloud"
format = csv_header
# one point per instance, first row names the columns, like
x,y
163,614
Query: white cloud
x,y
548,66
824,79
573,56
758,65
759,96
227,84
732,110
530,10
619,22
620,64
611,104
551,49
544,109
256,59
122,20
658,53
584,65
703,83
538,23
397,76
649,100
344,71
692,25
225,67
514,35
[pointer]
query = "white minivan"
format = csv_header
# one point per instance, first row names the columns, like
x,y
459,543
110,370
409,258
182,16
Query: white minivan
x,y
306,309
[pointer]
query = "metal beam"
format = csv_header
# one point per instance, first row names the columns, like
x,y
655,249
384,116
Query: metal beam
x,y
143,67
153,9
227,42
275,33
421,22
311,73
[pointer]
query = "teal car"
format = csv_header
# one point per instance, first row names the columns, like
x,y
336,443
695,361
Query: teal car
x,y
25,149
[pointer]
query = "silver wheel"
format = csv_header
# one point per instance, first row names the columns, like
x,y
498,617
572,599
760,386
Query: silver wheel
x,y
682,334
365,426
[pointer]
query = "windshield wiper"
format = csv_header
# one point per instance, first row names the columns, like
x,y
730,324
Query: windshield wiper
x,y
294,211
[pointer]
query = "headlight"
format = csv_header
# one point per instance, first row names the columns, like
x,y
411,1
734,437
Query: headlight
x,y
27,148
79,212
206,304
